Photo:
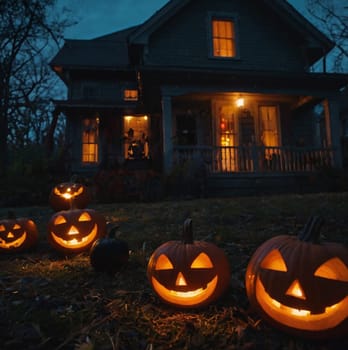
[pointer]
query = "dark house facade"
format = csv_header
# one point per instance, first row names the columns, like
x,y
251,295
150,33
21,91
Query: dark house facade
x,y
224,84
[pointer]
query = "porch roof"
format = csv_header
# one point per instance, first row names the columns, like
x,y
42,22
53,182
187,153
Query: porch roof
x,y
125,108
90,104
248,78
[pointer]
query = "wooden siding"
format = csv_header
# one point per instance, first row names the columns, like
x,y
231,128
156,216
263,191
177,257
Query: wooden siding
x,y
101,90
265,43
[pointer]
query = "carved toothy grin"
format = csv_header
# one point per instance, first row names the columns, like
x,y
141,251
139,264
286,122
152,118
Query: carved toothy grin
x,y
190,298
15,244
302,319
75,243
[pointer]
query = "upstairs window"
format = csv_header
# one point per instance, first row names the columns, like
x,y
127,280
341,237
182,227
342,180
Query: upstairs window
x,y
90,140
223,37
130,95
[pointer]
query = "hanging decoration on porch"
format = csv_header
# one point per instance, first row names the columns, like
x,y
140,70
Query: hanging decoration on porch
x,y
17,234
75,230
63,194
188,273
300,285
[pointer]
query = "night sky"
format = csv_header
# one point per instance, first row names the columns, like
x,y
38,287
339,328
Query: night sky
x,y
97,18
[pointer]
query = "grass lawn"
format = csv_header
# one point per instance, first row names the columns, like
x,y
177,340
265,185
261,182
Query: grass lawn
x,y
50,301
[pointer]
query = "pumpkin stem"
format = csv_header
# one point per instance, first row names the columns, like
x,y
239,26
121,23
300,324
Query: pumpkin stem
x,y
311,231
187,235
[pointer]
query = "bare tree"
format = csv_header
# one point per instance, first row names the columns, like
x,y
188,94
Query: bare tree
x,y
28,31
331,16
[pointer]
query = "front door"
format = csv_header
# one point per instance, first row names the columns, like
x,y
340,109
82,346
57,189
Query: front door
x,y
226,137
136,137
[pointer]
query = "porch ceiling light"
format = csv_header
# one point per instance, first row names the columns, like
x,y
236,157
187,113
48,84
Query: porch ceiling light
x,y
240,102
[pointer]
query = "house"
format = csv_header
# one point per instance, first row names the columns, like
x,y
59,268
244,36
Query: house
x,y
225,85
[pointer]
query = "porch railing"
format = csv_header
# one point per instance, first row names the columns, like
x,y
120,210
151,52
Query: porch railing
x,y
255,159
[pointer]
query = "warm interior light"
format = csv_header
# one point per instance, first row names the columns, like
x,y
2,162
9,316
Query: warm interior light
x,y
58,69
180,281
75,243
188,298
202,262
296,291
163,263
240,102
130,95
274,261
334,269
300,318
67,195
73,231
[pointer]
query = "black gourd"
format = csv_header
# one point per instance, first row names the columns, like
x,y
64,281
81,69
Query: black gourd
x,y
109,254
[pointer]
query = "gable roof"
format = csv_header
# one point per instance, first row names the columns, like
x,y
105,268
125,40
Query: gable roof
x,y
112,51
295,20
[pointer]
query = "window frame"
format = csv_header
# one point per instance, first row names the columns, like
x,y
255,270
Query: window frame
x,y
277,122
223,16
88,143
128,94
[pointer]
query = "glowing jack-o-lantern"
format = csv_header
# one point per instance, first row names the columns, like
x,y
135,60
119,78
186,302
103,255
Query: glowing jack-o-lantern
x,y
300,285
188,273
17,234
75,230
69,194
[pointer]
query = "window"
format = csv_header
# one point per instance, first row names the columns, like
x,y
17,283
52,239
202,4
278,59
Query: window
x,y
223,38
269,125
130,95
136,137
90,140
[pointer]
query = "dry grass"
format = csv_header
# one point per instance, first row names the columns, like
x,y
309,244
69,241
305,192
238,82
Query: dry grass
x,y
49,301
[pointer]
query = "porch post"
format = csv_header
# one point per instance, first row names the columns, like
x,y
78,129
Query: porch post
x,y
332,125
167,133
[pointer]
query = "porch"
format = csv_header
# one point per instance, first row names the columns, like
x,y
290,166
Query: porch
x,y
255,159
244,170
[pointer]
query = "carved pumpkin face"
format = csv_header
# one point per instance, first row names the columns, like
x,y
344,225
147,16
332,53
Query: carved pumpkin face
x,y
300,286
73,231
187,273
17,234
68,194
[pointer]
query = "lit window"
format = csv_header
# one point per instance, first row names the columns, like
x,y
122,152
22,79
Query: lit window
x,y
130,95
269,125
90,140
136,137
223,36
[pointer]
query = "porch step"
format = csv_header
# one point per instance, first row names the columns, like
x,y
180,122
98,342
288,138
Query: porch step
x,y
250,184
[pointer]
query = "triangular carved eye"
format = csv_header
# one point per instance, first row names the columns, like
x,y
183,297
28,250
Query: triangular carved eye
x,y
85,217
274,261
163,263
16,227
202,262
59,220
2,228
333,269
